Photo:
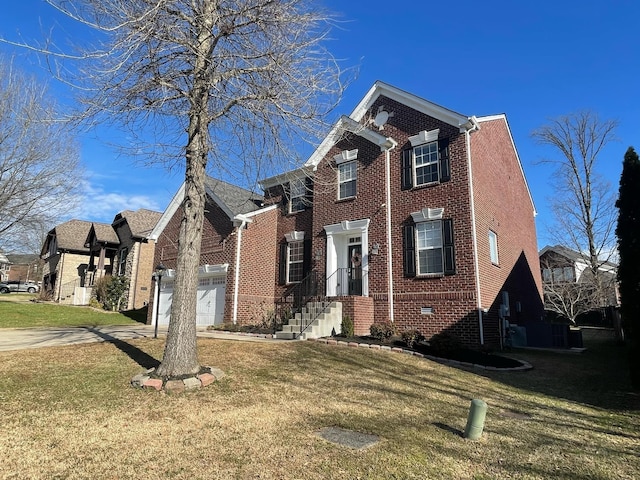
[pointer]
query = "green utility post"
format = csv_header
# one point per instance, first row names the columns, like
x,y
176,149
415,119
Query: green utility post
x,y
475,422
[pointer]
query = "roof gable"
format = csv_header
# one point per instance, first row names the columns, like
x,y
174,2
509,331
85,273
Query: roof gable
x,y
141,222
410,100
231,199
71,235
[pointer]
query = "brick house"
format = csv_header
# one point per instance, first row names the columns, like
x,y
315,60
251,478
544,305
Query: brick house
x,y
407,212
23,267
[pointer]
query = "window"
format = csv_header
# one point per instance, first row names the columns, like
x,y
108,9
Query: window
x,y
347,175
122,264
493,247
298,191
426,164
428,248
295,261
558,274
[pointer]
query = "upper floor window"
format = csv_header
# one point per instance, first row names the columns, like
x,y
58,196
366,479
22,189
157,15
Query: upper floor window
x,y
347,177
558,274
297,192
493,247
426,164
427,161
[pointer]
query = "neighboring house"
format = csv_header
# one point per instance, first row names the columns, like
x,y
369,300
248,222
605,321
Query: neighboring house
x,y
25,267
134,258
407,212
88,251
5,267
66,261
561,265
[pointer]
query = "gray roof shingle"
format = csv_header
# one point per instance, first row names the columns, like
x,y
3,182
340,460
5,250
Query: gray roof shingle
x,y
239,200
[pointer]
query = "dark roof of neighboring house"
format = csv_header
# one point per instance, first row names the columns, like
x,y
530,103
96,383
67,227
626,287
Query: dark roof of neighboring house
x,y
23,259
569,254
3,259
239,200
105,233
140,222
72,235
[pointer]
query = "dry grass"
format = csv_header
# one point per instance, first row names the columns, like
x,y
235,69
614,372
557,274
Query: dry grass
x,y
70,413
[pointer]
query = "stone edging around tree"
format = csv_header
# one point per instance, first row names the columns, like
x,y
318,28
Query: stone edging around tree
x,y
446,361
207,376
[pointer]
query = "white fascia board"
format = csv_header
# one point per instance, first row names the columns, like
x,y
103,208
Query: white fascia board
x,y
503,117
347,124
258,212
167,214
283,178
410,100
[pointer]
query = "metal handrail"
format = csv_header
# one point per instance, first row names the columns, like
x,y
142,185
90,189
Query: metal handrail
x,y
347,281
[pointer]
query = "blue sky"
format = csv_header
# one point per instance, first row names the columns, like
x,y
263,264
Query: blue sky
x,y
530,60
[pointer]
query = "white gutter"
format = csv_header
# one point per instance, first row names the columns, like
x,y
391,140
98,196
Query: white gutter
x,y
467,133
391,144
243,222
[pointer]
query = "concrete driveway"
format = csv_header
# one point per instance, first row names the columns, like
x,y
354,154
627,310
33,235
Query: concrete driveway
x,y
24,338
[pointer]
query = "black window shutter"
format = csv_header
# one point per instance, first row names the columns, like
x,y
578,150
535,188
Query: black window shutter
x,y
309,194
306,260
409,250
282,267
445,164
407,169
285,198
449,253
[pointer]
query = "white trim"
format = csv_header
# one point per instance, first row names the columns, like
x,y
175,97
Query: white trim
x,y
343,230
295,236
410,100
346,156
285,177
347,226
210,270
387,167
168,213
424,137
427,214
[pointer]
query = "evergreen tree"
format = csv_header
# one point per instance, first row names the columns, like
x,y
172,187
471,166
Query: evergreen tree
x,y
628,233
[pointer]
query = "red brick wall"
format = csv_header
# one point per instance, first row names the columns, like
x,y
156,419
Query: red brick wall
x,y
452,297
502,204
360,310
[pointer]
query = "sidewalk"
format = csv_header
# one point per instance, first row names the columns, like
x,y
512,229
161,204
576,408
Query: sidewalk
x,y
26,338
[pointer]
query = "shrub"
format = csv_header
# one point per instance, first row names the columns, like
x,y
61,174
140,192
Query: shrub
x,y
110,291
412,337
382,331
347,326
445,343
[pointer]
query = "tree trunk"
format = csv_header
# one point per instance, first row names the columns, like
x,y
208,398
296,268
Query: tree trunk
x,y
181,353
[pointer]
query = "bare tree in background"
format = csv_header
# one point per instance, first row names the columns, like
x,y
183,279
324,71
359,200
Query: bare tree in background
x,y
583,203
39,163
229,85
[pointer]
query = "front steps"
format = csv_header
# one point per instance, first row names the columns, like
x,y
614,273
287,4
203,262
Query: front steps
x,y
320,320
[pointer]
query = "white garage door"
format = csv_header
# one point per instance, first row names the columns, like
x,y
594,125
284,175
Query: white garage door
x,y
210,307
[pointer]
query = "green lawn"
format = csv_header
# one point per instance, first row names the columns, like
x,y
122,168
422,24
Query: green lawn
x,y
18,311
69,412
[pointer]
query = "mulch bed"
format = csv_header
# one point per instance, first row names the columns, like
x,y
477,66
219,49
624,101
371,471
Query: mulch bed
x,y
461,355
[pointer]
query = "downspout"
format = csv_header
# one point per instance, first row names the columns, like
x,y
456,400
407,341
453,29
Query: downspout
x,y
390,145
243,222
467,137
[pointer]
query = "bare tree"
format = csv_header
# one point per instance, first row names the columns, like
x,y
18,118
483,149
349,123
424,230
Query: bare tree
x,y
39,162
227,85
583,202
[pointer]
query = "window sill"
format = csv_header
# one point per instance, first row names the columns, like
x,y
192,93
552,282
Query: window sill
x,y
348,199
429,275
426,185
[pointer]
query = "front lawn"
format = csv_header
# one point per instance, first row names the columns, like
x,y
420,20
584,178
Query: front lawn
x,y
17,311
69,412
